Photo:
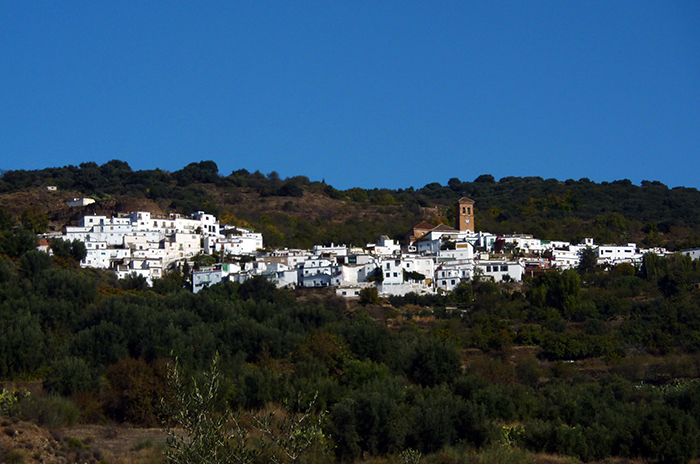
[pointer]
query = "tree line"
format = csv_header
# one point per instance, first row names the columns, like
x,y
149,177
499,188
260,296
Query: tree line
x,y
611,212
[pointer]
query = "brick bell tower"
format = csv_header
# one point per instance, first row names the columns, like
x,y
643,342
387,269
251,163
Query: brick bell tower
x,y
465,215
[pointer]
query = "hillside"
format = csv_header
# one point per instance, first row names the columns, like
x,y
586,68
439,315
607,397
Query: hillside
x,y
297,212
584,363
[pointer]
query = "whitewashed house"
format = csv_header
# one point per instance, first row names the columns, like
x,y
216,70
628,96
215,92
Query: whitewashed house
x,y
566,258
78,202
610,255
449,274
317,272
694,254
384,247
330,251
212,275
500,270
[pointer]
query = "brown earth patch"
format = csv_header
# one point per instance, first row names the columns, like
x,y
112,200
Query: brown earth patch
x,y
30,444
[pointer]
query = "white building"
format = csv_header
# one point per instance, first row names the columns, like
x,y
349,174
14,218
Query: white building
x,y
694,254
526,243
500,270
77,202
212,275
566,258
145,243
234,245
317,272
332,250
450,273
610,255
384,247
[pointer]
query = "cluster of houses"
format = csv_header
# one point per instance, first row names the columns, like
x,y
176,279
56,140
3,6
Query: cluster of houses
x,y
434,258
146,244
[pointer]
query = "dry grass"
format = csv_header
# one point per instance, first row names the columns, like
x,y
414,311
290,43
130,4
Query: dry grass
x,y
122,445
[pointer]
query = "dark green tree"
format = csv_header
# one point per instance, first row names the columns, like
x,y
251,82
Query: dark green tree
x,y
588,261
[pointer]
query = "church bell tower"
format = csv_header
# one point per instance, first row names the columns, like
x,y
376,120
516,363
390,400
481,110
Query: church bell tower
x,y
465,215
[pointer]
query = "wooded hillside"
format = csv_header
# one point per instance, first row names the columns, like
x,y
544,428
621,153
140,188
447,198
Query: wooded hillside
x,y
298,212
585,363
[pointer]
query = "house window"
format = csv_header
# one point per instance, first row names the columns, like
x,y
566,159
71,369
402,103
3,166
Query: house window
x,y
488,268
388,274
396,274
504,268
452,282
388,266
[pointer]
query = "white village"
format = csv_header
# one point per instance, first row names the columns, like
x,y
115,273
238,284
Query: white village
x,y
434,258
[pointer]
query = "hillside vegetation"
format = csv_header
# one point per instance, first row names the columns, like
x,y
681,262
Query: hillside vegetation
x,y
297,212
589,364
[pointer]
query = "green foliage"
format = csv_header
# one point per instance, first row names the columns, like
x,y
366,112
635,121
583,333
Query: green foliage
x,y
617,211
206,436
666,436
413,275
68,249
258,288
6,271
560,291
434,362
9,401
579,386
33,262
134,281
34,219
51,411
21,342
7,221
69,376
14,243
369,296
293,435
463,293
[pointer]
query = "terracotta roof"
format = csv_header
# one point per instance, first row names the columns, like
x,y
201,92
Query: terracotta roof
x,y
465,199
443,228
424,225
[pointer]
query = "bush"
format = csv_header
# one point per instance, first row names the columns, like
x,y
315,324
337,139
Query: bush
x,y
69,376
13,457
49,411
369,295
133,389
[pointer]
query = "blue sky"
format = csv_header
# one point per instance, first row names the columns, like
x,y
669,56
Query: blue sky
x,y
362,94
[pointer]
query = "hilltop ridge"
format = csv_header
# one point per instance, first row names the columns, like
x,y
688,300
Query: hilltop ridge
x,y
298,212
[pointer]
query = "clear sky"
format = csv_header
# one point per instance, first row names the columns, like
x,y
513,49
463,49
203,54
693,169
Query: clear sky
x,y
362,94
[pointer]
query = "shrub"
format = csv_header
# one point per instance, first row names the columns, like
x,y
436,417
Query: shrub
x,y
68,376
369,295
49,411
13,457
